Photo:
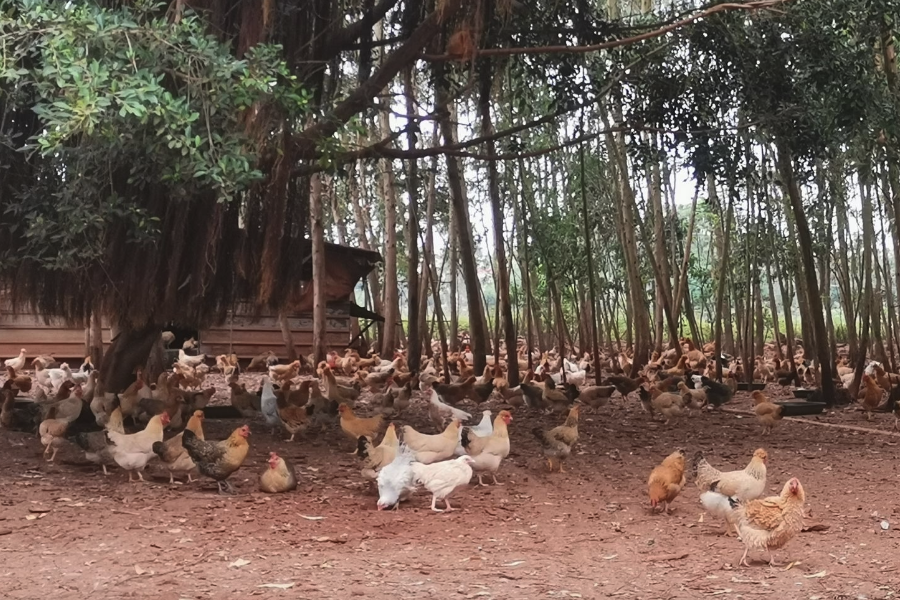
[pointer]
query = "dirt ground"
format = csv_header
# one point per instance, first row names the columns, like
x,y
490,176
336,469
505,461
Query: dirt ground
x,y
70,532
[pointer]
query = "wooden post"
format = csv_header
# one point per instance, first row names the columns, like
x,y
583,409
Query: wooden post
x,y
317,235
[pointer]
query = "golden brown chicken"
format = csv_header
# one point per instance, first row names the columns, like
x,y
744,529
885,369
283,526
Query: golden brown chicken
x,y
246,402
557,443
298,396
692,399
53,433
19,382
665,403
172,451
262,361
278,477
218,460
293,417
282,373
432,448
465,371
765,524
766,411
678,370
870,395
488,451
374,458
355,426
666,480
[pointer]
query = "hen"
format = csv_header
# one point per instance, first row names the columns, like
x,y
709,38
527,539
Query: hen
x,y
665,403
765,524
489,451
279,476
173,453
375,458
17,363
218,460
438,411
483,429
355,426
395,480
133,452
766,411
746,484
94,443
454,393
284,372
443,478
432,448
557,443
667,480
717,393
625,385
52,432
596,396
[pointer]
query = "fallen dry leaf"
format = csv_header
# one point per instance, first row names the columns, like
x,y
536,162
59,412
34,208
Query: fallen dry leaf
x,y
139,570
277,586
818,575
238,563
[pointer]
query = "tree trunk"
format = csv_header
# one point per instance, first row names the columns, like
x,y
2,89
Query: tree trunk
x,y
128,351
786,169
363,238
720,290
786,296
287,337
477,326
773,307
414,354
389,196
592,285
96,352
317,236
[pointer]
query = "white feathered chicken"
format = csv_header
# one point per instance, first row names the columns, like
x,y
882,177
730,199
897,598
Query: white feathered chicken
x,y
483,429
445,410
17,363
395,481
442,478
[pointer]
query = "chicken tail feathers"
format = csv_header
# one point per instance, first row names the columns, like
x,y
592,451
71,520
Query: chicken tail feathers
x,y
465,440
158,449
695,464
539,434
362,449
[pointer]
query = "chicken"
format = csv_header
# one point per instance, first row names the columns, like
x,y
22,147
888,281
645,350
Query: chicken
x,y
454,393
27,418
321,409
443,478
284,372
44,361
557,443
172,451
678,370
69,408
692,399
625,385
262,361
596,396
553,399
337,393
766,411
667,480
21,383
129,399
432,448
533,394
374,380
278,477
665,403
746,484
484,428
95,444
133,452
870,395
395,480
488,451
17,363
52,432
717,393
465,371
291,416
218,460
189,344
374,458
765,524
355,426
513,396
246,402
397,399
268,404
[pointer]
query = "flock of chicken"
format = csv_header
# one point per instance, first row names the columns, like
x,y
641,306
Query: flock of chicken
x,y
70,405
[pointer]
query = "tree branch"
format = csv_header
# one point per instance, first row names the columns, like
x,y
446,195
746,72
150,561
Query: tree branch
x,y
358,100
345,35
758,5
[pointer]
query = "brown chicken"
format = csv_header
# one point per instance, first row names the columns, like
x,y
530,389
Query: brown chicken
x,y
293,417
746,484
355,426
374,458
278,477
692,399
53,433
596,396
678,370
557,443
432,448
454,393
667,480
554,399
218,460
262,361
282,373
665,403
766,411
172,451
465,371
488,451
292,396
870,395
768,524
19,382
246,402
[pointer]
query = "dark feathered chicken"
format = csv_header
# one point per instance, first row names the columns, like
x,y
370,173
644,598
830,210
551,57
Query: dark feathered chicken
x,y
25,417
716,393
218,460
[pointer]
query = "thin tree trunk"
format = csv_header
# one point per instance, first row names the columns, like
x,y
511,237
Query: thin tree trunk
x,y
786,169
287,337
773,307
786,296
414,354
592,286
720,290
391,291
363,237
317,235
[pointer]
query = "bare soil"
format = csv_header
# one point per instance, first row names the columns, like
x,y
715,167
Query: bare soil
x,y
70,532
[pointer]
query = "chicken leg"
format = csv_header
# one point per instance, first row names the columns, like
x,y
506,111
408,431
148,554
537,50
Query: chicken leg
x,y
494,476
228,488
433,507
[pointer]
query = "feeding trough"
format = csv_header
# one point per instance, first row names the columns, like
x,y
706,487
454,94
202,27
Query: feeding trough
x,y
803,393
743,386
800,409
222,412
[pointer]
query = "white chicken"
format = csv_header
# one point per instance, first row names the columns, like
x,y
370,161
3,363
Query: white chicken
x,y
17,363
443,478
268,404
133,452
484,428
191,361
445,410
395,480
